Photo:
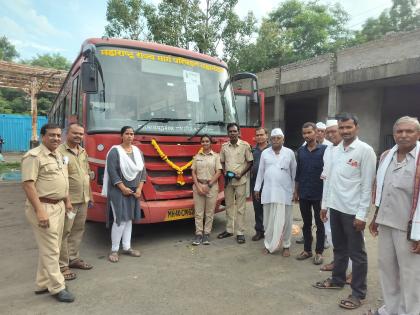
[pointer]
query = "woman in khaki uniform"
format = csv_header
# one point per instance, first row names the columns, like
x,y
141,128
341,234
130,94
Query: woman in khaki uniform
x,y
206,169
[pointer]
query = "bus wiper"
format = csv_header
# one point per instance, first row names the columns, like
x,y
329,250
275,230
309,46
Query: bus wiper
x,y
207,123
156,119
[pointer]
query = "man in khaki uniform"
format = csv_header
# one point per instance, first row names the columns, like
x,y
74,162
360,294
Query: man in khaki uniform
x,y
45,182
236,158
80,195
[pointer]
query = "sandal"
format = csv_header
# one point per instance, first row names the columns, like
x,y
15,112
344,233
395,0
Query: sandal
x,y
113,257
350,303
131,252
68,274
327,267
304,255
80,264
327,284
286,252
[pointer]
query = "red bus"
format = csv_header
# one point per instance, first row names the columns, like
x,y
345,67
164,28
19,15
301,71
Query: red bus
x,y
169,95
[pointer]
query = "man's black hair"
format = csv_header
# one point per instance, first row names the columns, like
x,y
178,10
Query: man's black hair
x,y
47,126
230,125
348,116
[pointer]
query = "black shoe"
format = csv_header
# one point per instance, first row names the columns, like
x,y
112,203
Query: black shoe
x,y
224,235
197,240
206,239
240,239
41,291
64,296
300,240
258,236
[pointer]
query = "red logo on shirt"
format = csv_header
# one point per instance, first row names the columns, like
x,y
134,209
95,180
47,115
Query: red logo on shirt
x,y
353,163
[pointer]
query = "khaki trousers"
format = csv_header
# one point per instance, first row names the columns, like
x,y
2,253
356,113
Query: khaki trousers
x,y
235,199
49,240
399,272
73,234
204,205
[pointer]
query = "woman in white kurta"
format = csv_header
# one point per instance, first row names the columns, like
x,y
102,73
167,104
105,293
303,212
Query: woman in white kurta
x,y
277,170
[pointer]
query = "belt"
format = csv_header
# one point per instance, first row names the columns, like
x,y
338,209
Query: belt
x,y
48,200
201,181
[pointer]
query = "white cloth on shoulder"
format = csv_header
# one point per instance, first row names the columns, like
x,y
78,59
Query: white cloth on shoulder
x,y
380,177
129,169
383,166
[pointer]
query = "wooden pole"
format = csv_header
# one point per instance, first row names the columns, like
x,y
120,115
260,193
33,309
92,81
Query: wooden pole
x,y
34,112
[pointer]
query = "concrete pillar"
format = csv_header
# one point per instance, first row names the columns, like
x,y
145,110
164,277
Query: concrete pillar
x,y
334,93
279,109
279,104
334,100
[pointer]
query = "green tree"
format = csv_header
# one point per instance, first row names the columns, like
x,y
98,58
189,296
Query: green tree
x,y
7,50
174,22
127,19
404,15
295,30
310,28
55,61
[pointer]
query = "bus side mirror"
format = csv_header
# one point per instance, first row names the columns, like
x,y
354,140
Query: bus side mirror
x,y
253,97
89,77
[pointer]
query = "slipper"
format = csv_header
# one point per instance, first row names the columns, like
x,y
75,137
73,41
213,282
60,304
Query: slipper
x,y
68,274
327,267
304,255
80,264
113,257
286,252
131,252
350,303
327,284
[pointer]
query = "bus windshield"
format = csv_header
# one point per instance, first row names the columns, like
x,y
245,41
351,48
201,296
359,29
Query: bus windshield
x,y
172,95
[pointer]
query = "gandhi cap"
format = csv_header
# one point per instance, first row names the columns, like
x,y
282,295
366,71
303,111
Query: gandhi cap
x,y
276,132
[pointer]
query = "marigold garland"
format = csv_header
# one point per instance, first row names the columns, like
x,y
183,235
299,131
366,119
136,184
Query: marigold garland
x,y
179,170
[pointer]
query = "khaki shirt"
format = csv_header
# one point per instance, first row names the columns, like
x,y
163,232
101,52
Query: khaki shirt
x,y
48,171
206,165
397,192
236,158
79,171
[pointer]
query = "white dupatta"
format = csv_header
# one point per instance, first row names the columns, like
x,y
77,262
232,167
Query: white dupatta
x,y
129,169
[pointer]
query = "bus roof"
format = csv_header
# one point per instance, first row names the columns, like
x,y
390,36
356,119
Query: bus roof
x,y
118,42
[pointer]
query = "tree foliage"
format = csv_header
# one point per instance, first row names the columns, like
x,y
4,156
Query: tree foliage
x,y
8,51
296,30
404,15
127,19
55,61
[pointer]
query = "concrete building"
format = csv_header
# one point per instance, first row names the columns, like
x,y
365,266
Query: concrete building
x,y
379,81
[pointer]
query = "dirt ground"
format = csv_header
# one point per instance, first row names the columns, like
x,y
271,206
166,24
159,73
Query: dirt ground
x,y
171,277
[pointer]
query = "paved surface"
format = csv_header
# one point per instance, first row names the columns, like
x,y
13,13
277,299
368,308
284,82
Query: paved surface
x,y
171,277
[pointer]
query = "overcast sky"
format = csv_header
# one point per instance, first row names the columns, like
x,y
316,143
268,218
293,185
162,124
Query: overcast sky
x,y
48,26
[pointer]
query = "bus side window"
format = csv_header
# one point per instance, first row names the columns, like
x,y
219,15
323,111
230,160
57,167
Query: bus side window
x,y
74,97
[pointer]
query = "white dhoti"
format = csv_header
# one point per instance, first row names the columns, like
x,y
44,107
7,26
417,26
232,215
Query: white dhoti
x,y
277,226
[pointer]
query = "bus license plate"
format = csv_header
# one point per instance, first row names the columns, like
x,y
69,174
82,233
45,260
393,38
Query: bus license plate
x,y
178,214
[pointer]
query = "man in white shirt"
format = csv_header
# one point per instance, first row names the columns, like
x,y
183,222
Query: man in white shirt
x,y
349,189
277,170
